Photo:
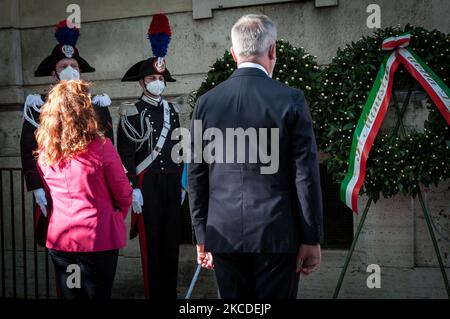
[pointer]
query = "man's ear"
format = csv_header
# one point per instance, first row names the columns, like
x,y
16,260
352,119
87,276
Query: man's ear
x,y
234,55
55,76
141,83
273,52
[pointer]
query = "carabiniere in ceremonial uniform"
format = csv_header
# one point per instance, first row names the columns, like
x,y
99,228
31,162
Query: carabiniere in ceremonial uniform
x,y
145,146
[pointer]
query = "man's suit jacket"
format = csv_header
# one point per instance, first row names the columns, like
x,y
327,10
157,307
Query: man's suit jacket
x,y
235,208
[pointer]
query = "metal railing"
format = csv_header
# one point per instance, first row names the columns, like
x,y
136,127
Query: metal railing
x,y
24,265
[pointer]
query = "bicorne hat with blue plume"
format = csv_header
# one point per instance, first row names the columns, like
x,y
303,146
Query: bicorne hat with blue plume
x,y
67,37
159,35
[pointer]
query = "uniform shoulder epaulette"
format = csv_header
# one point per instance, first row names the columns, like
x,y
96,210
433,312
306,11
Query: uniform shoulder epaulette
x,y
132,131
34,100
128,109
102,100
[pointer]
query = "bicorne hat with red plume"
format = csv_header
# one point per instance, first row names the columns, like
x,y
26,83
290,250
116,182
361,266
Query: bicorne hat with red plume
x,y
159,34
67,37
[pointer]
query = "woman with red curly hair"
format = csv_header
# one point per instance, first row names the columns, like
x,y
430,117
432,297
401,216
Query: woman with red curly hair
x,y
89,190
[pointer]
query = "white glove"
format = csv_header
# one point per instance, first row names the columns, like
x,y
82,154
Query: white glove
x,y
39,195
138,201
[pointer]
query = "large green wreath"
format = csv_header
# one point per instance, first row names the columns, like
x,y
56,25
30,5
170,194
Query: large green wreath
x,y
395,164
294,67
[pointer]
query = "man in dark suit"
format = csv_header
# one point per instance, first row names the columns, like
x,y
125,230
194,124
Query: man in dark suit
x,y
259,227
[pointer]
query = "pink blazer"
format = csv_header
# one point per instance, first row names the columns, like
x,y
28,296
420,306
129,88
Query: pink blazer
x,y
91,196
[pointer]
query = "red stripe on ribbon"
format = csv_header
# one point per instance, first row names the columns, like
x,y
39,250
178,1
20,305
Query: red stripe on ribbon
x,y
373,133
401,41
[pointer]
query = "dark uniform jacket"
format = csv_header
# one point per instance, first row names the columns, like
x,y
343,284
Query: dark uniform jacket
x,y
234,207
133,153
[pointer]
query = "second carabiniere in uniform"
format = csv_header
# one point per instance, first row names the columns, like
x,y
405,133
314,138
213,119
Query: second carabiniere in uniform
x,y
145,146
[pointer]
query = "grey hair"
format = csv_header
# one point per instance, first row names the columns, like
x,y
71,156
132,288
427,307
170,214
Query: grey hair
x,y
252,35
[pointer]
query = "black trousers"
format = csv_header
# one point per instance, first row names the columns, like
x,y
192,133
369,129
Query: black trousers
x,y
256,276
162,223
97,271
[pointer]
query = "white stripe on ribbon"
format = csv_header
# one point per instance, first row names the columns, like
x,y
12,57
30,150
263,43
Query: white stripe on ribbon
x,y
365,132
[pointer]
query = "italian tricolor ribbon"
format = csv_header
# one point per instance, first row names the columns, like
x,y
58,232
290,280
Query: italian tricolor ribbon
x,y
376,106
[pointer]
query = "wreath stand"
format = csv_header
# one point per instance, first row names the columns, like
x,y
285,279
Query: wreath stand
x,y
399,125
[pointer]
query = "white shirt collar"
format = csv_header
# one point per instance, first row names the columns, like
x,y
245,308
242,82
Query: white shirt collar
x,y
253,65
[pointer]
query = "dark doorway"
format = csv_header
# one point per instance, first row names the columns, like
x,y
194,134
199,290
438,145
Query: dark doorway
x,y
337,217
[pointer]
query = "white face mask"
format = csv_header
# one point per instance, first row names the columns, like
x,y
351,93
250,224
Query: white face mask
x,y
155,87
68,74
